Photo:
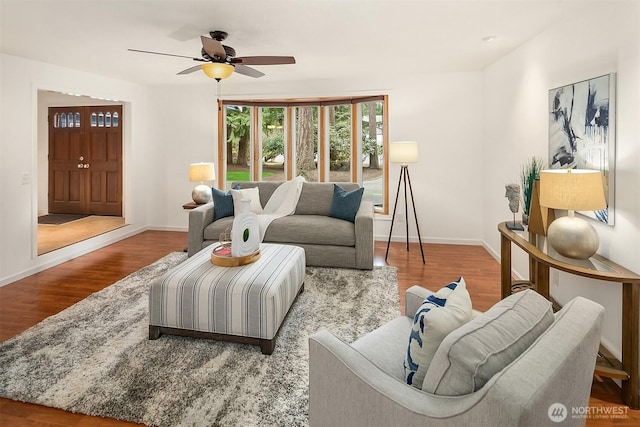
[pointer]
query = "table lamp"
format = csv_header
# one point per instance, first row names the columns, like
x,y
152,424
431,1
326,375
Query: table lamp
x,y
572,190
404,152
201,172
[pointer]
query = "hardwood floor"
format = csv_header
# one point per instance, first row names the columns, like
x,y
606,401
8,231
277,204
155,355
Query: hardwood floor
x,y
28,301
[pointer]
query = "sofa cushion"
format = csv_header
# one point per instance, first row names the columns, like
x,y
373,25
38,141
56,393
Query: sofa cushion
x,y
345,204
311,229
222,204
316,197
287,230
252,194
213,230
469,356
439,314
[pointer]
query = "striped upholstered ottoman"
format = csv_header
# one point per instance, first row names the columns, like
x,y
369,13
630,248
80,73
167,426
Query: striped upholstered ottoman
x,y
241,304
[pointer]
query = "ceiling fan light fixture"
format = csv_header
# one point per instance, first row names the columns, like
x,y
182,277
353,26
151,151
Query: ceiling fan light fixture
x,y
217,70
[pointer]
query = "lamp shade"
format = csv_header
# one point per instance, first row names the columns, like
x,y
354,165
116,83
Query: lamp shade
x,y
217,70
199,172
577,189
403,152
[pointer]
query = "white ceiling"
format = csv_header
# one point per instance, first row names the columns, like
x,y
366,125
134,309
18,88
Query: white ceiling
x,y
329,38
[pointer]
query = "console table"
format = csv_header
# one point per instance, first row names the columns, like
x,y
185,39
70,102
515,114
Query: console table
x,y
542,258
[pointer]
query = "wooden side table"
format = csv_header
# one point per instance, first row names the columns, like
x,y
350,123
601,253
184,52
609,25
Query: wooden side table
x,y
542,258
191,205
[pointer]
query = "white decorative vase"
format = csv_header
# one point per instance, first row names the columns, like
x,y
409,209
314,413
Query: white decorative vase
x,y
245,233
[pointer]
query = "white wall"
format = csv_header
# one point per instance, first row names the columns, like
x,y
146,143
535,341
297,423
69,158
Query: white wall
x,y
20,81
441,112
601,40
184,131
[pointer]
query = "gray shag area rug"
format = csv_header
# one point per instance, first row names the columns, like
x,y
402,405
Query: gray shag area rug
x,y
95,357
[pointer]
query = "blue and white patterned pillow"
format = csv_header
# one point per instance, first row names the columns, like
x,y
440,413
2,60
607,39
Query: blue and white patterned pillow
x,y
439,314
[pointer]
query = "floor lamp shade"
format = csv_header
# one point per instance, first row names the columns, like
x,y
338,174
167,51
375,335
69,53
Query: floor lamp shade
x,y
572,190
201,172
404,152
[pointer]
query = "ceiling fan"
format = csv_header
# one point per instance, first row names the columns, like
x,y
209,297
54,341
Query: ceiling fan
x,y
220,61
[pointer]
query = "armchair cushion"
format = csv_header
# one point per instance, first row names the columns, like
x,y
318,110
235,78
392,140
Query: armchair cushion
x,y
469,356
439,314
345,204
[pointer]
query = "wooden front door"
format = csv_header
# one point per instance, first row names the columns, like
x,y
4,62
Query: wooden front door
x,y
85,160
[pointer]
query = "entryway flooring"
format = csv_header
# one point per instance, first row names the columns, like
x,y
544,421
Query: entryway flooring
x,y
52,237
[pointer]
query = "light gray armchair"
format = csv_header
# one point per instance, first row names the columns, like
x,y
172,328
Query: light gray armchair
x,y
362,384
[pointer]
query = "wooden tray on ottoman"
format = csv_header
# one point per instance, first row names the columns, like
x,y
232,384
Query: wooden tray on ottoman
x,y
221,255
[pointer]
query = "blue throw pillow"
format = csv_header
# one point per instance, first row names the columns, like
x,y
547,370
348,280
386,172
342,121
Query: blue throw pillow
x,y
222,203
345,204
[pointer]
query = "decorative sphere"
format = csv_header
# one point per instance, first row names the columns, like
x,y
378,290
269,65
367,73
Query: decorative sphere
x,y
201,194
573,237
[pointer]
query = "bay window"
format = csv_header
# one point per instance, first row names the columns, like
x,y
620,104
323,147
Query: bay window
x,y
322,139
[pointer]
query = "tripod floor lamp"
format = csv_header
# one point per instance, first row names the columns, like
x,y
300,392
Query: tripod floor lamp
x,y
404,152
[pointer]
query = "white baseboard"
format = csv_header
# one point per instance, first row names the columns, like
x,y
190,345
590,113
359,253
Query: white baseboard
x,y
491,251
496,255
472,242
165,228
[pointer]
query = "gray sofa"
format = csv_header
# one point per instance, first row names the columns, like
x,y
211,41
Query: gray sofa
x,y
327,241
362,384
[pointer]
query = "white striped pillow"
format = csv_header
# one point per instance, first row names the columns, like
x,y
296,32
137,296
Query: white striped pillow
x,y
439,314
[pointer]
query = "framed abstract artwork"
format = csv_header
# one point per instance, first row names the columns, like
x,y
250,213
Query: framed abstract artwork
x,y
582,133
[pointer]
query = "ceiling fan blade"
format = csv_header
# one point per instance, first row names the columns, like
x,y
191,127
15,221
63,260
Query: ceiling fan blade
x,y
247,71
166,54
213,48
264,60
191,69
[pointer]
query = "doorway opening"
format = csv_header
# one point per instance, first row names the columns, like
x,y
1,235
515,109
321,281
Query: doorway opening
x,y
80,169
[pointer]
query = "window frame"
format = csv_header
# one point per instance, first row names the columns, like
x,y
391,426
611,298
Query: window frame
x,y
289,105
